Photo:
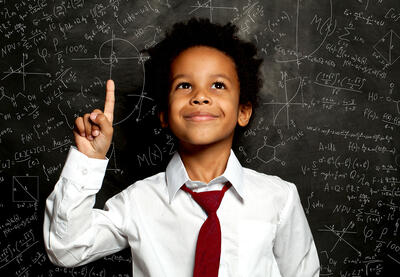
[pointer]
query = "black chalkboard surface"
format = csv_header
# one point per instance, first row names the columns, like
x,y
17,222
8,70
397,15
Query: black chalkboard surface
x,y
329,118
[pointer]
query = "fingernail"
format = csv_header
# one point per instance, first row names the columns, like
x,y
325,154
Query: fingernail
x,y
95,133
83,134
93,116
90,137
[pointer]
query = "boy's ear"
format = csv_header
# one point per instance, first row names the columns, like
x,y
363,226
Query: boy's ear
x,y
163,119
245,111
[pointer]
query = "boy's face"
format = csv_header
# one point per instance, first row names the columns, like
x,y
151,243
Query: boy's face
x,y
203,106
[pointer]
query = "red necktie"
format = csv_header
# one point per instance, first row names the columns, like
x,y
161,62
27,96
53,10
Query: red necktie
x,y
208,248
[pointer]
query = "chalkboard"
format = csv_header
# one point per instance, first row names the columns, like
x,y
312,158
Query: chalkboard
x,y
328,121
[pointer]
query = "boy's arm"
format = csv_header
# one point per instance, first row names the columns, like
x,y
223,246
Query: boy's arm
x,y
294,247
74,232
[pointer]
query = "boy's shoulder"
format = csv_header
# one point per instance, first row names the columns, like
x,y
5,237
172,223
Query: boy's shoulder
x,y
258,182
276,193
151,183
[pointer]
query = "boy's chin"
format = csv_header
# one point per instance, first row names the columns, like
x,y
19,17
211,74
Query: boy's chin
x,y
204,142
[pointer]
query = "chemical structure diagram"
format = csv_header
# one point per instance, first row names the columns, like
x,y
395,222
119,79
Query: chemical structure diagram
x,y
266,153
12,99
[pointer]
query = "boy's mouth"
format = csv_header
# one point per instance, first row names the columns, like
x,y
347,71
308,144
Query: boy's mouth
x,y
200,116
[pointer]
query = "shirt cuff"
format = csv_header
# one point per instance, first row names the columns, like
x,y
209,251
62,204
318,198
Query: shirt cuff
x,y
87,172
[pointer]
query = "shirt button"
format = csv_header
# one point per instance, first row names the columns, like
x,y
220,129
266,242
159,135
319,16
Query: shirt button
x,y
84,171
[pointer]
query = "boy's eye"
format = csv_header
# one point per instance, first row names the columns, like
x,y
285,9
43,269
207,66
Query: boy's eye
x,y
184,85
218,85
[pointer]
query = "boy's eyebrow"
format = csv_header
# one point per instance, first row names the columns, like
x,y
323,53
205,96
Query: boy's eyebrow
x,y
179,76
212,75
223,76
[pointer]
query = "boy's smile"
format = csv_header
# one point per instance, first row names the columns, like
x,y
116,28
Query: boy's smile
x,y
200,116
203,106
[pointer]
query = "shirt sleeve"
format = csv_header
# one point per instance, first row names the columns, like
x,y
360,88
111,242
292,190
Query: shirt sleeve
x,y
74,232
294,246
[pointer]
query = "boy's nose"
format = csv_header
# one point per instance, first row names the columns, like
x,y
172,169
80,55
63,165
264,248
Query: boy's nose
x,y
200,99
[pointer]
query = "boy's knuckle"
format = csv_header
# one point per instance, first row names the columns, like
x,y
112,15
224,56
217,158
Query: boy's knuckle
x,y
101,118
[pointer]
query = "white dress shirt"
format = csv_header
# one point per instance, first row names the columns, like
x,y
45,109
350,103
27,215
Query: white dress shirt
x,y
264,231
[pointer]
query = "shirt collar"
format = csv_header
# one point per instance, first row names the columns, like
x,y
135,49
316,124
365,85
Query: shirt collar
x,y
176,175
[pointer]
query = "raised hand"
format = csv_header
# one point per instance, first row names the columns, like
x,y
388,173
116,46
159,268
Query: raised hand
x,y
93,131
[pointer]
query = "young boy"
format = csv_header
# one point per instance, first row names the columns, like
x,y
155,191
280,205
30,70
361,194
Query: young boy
x,y
205,215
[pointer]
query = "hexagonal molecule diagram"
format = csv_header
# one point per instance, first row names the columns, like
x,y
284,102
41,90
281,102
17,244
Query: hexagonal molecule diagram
x,y
267,152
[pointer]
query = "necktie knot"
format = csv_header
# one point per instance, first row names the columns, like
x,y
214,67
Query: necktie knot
x,y
208,200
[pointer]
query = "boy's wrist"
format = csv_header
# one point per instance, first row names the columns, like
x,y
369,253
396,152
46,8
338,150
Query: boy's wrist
x,y
89,172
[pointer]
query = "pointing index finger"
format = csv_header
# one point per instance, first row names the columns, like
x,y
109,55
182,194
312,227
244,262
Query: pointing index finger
x,y
110,100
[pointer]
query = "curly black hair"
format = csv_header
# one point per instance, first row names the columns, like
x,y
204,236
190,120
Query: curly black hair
x,y
201,32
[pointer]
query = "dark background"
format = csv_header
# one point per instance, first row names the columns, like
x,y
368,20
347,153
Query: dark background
x,y
328,121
